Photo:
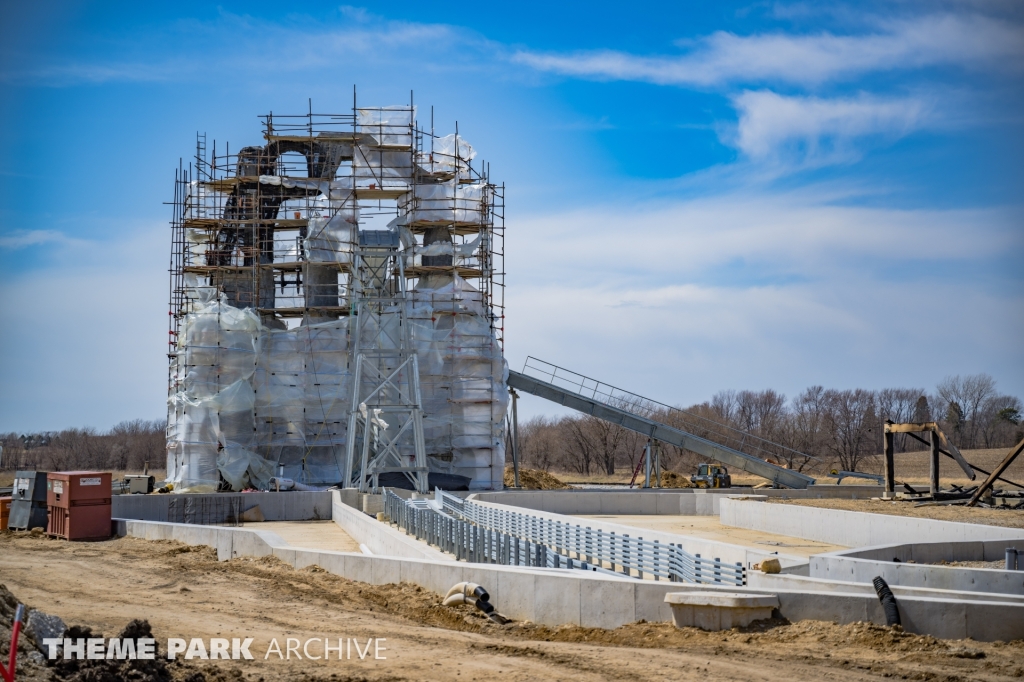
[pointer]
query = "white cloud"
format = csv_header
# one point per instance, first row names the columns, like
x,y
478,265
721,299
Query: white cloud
x,y
821,130
973,41
748,291
19,239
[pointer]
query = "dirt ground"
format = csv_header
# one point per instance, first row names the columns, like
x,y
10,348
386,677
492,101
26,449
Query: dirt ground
x,y
1011,518
185,592
911,467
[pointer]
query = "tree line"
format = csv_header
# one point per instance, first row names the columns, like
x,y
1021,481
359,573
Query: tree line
x,y
125,447
815,431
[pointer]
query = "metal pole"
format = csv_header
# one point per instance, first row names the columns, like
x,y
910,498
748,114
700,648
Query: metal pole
x,y
934,461
647,464
515,436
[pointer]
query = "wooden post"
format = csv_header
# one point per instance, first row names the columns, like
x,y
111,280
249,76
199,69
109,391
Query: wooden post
x,y
934,461
890,464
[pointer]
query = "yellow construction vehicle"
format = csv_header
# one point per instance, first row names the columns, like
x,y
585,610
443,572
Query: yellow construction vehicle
x,y
711,476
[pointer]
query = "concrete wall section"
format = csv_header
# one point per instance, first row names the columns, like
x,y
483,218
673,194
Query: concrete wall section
x,y
837,567
558,597
709,549
850,528
380,538
934,552
779,581
286,506
668,501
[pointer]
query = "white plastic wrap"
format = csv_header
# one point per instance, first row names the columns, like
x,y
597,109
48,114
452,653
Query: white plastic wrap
x,y
389,126
330,238
450,155
380,169
445,204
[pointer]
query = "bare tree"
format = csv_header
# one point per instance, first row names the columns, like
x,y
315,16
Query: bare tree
x,y
850,417
1001,419
808,428
900,405
540,443
964,398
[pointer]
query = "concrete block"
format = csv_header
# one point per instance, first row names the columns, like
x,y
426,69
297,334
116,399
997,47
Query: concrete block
x,y
373,504
714,610
386,570
937,617
332,562
994,621
517,601
557,599
435,576
688,504
359,567
225,545
606,603
649,601
286,554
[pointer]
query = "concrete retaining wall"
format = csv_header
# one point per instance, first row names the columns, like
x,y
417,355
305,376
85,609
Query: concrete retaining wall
x,y
686,501
709,549
984,621
863,564
380,538
780,581
850,528
286,506
557,597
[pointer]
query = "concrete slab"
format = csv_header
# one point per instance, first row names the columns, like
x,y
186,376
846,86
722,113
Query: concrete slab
x,y
715,610
311,534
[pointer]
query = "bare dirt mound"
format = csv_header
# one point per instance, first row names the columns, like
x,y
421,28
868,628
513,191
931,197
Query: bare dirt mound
x,y
534,479
670,479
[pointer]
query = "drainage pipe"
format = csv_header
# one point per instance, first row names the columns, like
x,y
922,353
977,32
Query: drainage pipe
x,y
892,612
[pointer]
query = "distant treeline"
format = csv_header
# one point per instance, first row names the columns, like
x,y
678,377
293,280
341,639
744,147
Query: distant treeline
x,y
821,428
127,446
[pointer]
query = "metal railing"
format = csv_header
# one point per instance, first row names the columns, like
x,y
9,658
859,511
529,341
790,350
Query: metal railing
x,y
479,533
698,425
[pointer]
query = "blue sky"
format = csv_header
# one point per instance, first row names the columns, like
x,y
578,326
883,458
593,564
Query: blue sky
x,y
702,196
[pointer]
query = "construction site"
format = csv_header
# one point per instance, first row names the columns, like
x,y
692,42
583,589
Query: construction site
x,y
343,460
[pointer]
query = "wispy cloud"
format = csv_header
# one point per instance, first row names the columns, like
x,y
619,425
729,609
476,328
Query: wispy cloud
x,y
815,131
971,41
20,239
298,44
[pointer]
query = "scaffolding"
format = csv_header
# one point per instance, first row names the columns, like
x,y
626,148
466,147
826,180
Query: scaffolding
x,y
266,301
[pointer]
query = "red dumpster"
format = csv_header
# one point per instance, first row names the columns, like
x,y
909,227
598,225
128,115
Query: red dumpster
x,y
79,504
5,511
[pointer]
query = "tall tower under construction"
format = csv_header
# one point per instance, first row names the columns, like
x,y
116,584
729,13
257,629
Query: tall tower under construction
x,y
336,308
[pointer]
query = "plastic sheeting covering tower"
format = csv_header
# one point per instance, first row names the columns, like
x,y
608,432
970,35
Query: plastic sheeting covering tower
x,y
265,328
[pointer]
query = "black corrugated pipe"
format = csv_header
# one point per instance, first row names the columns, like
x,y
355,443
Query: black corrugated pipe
x,y
885,595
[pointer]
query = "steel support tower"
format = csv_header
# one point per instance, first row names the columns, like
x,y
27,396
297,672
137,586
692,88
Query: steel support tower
x,y
386,421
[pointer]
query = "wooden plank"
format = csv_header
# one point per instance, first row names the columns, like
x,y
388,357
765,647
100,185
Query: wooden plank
x,y
1007,461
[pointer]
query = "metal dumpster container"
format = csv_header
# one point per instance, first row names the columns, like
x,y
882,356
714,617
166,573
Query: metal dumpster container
x,y
28,501
5,511
79,504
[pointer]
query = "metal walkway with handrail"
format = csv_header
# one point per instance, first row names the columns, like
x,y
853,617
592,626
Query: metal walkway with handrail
x,y
717,441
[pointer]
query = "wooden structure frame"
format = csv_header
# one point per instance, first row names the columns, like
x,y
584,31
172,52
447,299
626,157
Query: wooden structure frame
x,y
938,444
